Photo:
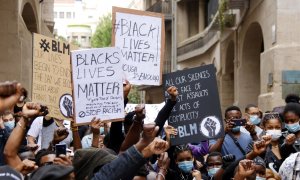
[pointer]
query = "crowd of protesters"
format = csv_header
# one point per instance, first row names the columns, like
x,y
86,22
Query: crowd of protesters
x,y
266,147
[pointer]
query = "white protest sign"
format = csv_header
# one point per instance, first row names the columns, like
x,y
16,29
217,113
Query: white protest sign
x,y
140,36
97,84
152,111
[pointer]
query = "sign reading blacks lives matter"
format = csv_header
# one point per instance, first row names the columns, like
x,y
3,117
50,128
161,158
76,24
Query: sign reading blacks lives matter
x,y
51,81
197,114
97,84
140,36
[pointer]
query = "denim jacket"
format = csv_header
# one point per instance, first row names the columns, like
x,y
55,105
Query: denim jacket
x,y
125,166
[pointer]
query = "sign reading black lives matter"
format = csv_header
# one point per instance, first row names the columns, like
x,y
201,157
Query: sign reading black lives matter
x,y
197,114
97,84
140,36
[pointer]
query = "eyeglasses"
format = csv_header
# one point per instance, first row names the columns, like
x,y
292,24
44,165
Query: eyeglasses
x,y
272,115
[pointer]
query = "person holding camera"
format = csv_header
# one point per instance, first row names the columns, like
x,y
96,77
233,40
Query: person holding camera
x,y
235,141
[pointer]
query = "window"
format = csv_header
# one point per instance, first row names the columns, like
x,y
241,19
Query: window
x,y
83,38
90,17
61,15
75,38
55,14
69,15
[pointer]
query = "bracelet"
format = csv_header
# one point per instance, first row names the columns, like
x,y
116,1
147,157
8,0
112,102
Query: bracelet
x,y
74,129
21,126
161,175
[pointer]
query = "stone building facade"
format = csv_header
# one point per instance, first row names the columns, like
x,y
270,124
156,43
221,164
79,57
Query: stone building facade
x,y
18,20
256,54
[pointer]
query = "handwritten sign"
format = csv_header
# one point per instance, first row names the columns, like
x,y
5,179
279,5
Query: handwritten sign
x,y
51,83
197,114
152,111
97,84
140,36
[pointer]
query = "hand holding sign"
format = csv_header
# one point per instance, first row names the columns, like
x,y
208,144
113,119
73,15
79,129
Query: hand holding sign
x,y
126,88
173,92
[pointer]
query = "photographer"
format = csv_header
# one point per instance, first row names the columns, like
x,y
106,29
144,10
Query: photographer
x,y
235,141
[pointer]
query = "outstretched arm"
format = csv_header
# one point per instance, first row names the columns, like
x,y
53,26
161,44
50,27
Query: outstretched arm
x,y
30,110
135,130
165,112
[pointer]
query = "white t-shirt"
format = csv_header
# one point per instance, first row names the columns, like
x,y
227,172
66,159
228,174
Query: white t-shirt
x,y
36,131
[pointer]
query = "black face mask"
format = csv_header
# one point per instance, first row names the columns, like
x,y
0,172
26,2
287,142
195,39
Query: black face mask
x,y
47,123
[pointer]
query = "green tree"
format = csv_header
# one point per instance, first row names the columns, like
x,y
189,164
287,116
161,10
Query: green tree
x,y
134,96
102,35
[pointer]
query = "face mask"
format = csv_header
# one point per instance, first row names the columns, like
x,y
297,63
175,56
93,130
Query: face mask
x,y
293,127
276,134
212,171
10,124
254,119
186,166
260,178
101,130
236,129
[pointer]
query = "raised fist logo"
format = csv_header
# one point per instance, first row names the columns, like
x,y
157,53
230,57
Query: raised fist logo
x,y
66,105
210,125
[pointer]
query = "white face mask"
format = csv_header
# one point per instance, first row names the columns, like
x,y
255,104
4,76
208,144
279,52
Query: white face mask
x,y
276,134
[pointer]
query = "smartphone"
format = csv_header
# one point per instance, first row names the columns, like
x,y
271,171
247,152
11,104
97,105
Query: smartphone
x,y
239,122
60,149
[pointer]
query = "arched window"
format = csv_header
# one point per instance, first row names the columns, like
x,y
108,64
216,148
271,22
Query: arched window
x,y
29,18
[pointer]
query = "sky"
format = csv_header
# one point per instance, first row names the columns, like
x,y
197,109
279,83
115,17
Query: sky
x,y
106,5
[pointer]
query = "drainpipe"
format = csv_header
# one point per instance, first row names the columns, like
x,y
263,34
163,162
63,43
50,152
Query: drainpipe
x,y
174,36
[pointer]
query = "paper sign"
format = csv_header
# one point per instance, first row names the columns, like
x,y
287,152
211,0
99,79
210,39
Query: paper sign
x,y
97,84
51,81
197,113
140,36
152,111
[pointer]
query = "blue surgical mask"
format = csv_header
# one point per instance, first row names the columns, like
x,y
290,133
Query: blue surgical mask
x,y
260,178
186,166
212,171
236,129
293,127
101,130
254,119
9,124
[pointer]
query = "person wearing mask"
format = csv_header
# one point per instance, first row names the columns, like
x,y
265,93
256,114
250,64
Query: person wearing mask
x,y
253,117
235,141
7,124
291,115
186,165
280,147
213,163
42,131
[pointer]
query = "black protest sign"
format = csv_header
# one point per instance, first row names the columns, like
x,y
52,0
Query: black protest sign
x,y
97,84
140,36
197,114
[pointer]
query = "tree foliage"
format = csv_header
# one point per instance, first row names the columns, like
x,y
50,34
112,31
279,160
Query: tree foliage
x,y
134,96
102,35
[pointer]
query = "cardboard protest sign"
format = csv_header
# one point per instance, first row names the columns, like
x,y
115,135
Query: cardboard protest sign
x,y
152,111
140,36
197,114
51,81
97,84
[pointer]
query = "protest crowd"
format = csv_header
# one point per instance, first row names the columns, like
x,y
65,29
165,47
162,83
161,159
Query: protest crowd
x,y
265,147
